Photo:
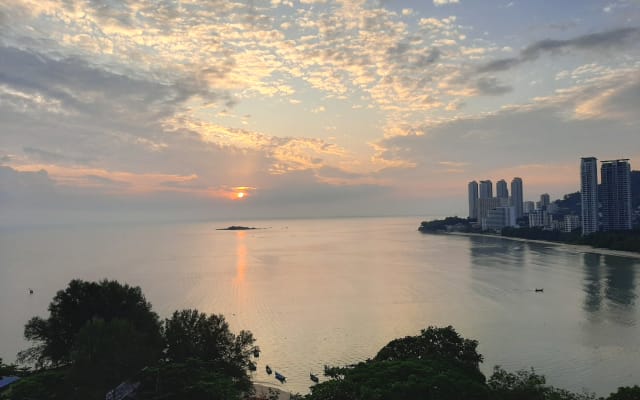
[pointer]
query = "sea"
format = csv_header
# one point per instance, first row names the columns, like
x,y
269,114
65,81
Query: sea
x,y
318,292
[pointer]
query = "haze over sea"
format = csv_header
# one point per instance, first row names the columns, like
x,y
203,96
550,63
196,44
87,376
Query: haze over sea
x,y
334,291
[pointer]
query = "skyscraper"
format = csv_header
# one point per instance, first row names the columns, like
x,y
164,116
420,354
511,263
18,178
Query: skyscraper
x,y
616,195
473,199
589,194
545,200
517,197
486,189
501,189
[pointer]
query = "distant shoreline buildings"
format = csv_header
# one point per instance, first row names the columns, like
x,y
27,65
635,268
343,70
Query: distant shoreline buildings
x,y
613,195
495,212
606,206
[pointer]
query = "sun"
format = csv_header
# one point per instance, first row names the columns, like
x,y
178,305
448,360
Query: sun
x,y
240,195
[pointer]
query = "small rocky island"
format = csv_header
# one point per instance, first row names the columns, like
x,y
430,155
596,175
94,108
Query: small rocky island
x,y
236,228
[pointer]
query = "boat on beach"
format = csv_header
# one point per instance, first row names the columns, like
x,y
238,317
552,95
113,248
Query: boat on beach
x,y
269,371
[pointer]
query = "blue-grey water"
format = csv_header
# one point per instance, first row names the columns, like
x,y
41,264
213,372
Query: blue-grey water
x,y
334,291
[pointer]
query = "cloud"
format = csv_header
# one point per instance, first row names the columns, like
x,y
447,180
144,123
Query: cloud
x,y
444,2
54,157
595,41
490,86
554,130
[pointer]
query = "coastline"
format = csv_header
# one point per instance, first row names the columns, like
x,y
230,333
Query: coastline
x,y
577,247
262,391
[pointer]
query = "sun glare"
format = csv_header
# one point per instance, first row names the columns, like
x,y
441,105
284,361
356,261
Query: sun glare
x,y
240,195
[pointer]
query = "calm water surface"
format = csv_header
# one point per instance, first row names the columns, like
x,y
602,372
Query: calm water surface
x,y
318,292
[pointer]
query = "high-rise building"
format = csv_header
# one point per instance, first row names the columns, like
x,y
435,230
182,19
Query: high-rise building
x,y
473,199
517,197
544,202
498,218
486,204
589,194
501,189
486,189
615,195
571,222
529,206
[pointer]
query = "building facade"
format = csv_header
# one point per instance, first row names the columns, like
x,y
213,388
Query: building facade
x,y
498,218
571,223
615,195
486,204
589,194
473,199
501,189
545,200
541,219
486,189
517,197
529,206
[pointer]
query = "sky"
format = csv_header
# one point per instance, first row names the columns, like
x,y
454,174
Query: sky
x,y
223,109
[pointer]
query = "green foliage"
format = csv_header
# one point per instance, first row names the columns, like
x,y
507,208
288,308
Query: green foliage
x,y
440,225
437,364
7,369
193,379
615,240
433,343
401,379
527,385
77,305
191,334
626,393
44,385
537,233
105,353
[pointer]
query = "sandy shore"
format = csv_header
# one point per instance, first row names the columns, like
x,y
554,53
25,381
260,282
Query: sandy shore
x,y
264,391
570,247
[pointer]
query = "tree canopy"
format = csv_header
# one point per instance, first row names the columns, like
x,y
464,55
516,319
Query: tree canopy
x,y
433,343
81,303
192,334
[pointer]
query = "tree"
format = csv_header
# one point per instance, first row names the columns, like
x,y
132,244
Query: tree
x,y
402,380
80,303
626,393
527,385
106,353
437,364
192,334
193,379
433,343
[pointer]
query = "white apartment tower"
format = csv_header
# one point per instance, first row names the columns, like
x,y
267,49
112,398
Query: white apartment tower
x,y
589,194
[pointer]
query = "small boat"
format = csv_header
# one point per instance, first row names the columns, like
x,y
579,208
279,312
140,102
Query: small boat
x,y
539,290
268,370
280,377
30,291
314,378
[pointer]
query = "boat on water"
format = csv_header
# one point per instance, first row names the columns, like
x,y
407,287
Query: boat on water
x,y
281,377
314,378
269,371
539,290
